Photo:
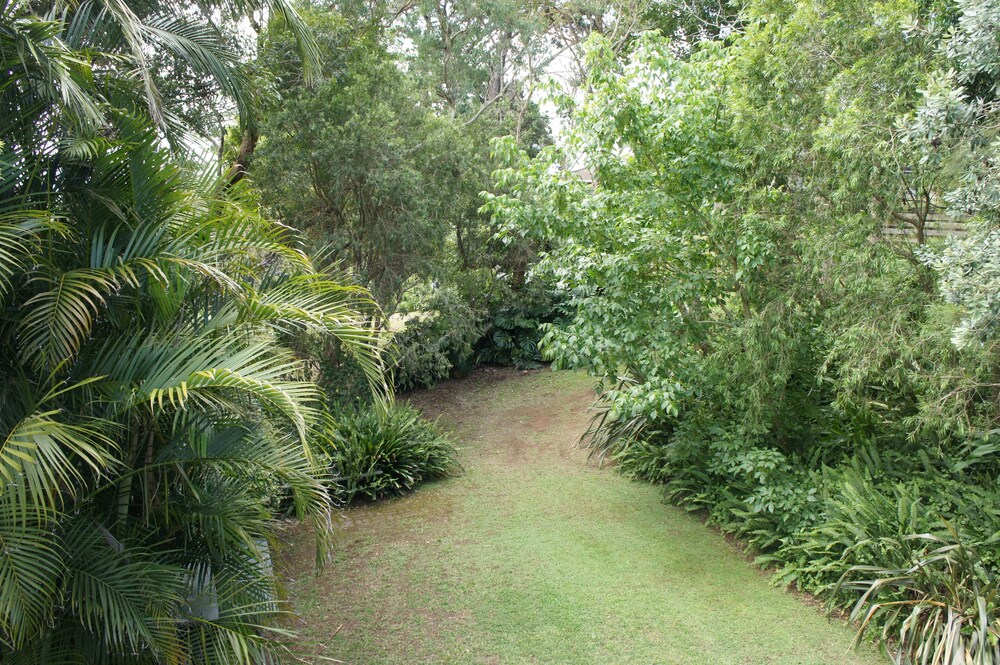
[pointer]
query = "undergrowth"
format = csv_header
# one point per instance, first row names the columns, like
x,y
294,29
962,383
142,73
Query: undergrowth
x,y
905,543
375,454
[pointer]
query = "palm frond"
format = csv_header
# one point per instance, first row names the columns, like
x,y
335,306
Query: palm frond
x,y
202,47
18,233
47,454
58,320
35,54
30,566
122,593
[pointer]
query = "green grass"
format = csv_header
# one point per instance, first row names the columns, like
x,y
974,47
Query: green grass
x,y
534,556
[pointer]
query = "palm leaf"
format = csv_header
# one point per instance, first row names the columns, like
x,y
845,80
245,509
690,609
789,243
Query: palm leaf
x,y
58,320
30,566
124,594
35,53
44,450
18,233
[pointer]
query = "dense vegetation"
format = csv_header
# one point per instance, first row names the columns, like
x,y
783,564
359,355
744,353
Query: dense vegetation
x,y
170,350
149,404
213,215
376,454
770,351
382,165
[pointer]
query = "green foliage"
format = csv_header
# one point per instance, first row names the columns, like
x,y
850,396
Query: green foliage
x,y
767,351
381,165
374,454
942,604
969,274
467,54
974,47
439,331
150,409
365,166
340,374
618,247
516,320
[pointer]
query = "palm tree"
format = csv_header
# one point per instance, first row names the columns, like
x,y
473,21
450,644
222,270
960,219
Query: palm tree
x,y
148,407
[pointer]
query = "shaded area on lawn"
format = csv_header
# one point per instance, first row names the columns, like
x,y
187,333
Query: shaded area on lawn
x,y
532,555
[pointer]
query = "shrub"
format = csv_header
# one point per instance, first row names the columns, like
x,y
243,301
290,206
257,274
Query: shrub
x,y
859,524
376,454
339,374
515,324
942,607
609,436
865,534
854,508
435,339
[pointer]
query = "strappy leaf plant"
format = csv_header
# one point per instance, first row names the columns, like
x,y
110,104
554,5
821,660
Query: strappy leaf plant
x,y
941,608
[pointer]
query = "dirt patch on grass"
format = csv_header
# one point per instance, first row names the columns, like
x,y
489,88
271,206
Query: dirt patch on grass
x,y
458,395
535,425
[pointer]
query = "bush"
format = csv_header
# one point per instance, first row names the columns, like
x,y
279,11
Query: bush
x,y
445,331
516,321
436,333
941,607
858,523
375,454
874,532
340,375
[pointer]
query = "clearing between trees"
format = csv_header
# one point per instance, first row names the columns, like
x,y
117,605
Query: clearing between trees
x,y
533,555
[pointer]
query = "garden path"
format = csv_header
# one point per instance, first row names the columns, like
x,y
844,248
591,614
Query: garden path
x,y
534,555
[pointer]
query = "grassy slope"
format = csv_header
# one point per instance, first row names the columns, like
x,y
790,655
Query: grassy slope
x,y
532,556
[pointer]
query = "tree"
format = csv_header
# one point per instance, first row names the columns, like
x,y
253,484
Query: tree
x,y
359,165
637,248
477,58
149,407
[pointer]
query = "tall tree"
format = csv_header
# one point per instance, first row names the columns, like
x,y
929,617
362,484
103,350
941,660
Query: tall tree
x,y
359,163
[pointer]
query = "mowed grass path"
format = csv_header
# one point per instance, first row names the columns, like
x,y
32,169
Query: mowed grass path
x,y
532,555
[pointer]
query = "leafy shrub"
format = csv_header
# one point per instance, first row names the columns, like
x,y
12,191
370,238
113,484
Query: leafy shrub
x,y
609,436
376,454
860,523
816,518
969,269
866,535
439,329
516,322
340,375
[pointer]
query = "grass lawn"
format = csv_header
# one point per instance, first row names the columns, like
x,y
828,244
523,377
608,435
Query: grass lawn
x,y
534,556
